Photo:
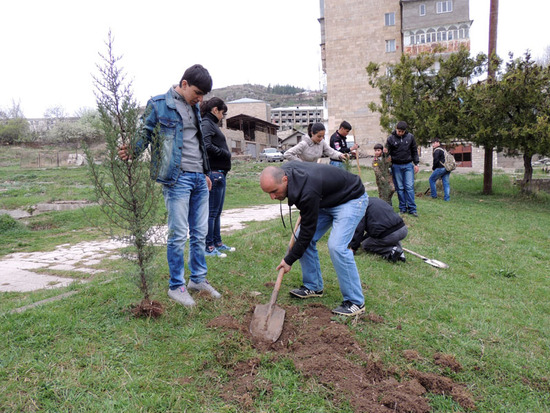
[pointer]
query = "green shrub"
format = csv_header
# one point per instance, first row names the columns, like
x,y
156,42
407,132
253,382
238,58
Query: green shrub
x,y
9,224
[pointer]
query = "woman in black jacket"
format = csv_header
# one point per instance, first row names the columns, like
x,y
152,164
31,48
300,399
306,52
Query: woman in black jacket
x,y
219,155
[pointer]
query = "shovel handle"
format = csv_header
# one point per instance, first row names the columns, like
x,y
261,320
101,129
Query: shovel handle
x,y
277,287
282,270
414,253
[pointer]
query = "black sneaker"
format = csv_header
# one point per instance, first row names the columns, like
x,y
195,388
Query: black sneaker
x,y
349,309
394,255
402,257
304,292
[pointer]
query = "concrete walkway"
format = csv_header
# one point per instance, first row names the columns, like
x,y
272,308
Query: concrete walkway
x,y
17,271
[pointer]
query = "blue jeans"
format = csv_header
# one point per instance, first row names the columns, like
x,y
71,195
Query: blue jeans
x,y
343,219
403,179
444,175
187,205
215,203
337,164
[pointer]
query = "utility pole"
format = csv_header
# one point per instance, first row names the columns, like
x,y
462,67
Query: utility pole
x,y
488,158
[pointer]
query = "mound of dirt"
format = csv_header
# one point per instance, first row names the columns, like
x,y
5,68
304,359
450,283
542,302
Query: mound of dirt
x,y
148,308
327,352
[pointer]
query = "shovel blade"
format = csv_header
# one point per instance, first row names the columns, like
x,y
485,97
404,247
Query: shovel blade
x,y
267,322
436,263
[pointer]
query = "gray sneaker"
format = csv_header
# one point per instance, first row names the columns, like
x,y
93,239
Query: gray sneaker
x,y
182,296
203,286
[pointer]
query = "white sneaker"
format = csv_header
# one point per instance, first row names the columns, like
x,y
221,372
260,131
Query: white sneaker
x,y
214,253
182,296
203,286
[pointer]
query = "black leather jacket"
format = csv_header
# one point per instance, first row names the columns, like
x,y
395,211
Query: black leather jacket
x,y
402,149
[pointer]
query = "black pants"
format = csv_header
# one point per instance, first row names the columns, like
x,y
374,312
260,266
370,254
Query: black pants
x,y
384,246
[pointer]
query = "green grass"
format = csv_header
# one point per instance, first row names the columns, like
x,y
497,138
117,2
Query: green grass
x,y
490,310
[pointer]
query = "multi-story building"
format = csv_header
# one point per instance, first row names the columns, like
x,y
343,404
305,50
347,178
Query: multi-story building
x,y
296,116
357,32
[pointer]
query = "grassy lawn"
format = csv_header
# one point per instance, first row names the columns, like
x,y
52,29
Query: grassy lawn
x,y
490,309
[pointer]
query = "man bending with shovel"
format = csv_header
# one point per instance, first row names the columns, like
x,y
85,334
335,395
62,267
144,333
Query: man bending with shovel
x,y
326,197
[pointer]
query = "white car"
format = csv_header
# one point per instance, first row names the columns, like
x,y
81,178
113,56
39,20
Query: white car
x,y
271,155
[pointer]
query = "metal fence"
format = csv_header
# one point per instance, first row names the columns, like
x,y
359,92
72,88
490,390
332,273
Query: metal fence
x,y
50,159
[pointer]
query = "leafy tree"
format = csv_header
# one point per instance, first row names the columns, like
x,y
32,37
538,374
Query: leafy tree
x,y
87,129
14,127
426,98
14,131
525,88
128,197
55,112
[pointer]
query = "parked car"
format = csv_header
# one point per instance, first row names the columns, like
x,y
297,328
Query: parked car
x,y
271,155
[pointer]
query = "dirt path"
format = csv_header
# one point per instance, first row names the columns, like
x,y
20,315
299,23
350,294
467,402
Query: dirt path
x,y
16,270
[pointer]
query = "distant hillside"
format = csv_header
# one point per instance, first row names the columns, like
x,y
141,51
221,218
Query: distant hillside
x,y
302,98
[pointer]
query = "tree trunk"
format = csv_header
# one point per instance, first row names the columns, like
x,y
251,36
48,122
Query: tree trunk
x,y
528,174
488,171
488,161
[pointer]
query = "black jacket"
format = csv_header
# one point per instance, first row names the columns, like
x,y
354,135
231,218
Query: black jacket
x,y
215,143
402,150
439,158
338,142
312,186
379,221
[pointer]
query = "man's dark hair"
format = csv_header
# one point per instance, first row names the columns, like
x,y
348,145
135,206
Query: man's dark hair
x,y
215,102
401,125
378,146
199,77
345,125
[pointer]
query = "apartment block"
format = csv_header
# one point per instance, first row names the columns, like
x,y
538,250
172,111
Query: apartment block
x,y
296,117
357,32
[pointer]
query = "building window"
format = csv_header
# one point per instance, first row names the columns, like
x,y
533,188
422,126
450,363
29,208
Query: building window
x,y
463,32
389,19
431,36
421,38
390,46
453,33
444,6
441,35
422,9
412,39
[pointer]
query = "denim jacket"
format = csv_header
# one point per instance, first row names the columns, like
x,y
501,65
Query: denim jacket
x,y
166,153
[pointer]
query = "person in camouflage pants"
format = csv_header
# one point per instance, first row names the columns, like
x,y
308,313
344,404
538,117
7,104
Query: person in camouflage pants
x,y
381,165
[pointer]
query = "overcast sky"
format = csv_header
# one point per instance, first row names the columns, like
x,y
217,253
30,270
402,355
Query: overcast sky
x,y
50,47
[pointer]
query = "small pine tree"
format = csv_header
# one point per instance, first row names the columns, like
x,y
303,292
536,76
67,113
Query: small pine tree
x,y
127,195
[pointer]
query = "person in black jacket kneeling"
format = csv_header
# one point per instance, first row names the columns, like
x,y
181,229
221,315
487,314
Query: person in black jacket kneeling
x,y
380,231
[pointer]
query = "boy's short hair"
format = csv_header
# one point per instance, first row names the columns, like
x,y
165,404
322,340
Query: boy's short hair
x,y
378,146
345,125
198,76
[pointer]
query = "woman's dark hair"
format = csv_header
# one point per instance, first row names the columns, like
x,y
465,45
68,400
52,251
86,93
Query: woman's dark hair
x,y
208,105
316,127
198,76
309,130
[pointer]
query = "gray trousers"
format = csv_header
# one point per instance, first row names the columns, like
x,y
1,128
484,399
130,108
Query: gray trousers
x,y
384,246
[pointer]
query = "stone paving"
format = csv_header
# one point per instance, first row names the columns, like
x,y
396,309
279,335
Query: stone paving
x,y
16,270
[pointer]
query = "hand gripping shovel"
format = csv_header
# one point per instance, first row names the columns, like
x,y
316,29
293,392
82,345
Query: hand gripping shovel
x,y
267,321
433,263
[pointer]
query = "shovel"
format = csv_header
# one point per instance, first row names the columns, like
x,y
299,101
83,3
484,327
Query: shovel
x,y
267,321
433,263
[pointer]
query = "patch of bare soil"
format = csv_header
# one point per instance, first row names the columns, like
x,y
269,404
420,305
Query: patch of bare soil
x,y
327,352
447,360
147,308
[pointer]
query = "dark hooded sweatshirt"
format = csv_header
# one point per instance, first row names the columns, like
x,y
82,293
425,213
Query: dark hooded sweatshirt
x,y
312,186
